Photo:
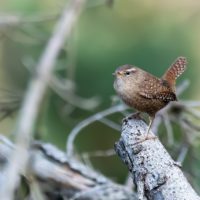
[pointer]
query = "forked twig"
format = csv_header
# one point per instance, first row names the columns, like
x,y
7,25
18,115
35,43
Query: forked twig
x,y
98,116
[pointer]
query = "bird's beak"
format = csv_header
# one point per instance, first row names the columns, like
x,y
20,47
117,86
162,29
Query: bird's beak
x,y
114,74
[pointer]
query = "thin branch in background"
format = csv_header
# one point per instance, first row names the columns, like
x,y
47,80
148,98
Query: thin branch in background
x,y
23,30
191,103
190,124
182,87
22,38
36,193
193,112
86,160
156,123
89,192
189,131
10,101
4,140
34,96
64,88
72,56
99,153
86,156
110,124
14,20
96,117
168,126
125,113
183,153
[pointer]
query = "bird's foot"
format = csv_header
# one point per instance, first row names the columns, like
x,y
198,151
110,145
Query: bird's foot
x,y
147,137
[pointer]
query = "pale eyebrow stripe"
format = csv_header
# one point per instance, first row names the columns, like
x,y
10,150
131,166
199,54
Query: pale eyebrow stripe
x,y
131,70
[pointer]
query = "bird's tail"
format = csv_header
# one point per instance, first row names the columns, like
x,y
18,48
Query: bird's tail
x,y
175,70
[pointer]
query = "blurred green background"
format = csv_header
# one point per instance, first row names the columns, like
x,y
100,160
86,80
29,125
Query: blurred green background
x,y
148,34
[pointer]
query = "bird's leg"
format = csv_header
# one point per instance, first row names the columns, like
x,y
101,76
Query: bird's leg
x,y
147,136
151,119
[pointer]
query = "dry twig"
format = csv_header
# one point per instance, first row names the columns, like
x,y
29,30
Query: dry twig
x,y
96,117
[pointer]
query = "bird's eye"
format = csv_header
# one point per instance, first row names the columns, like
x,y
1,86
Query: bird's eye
x,y
127,73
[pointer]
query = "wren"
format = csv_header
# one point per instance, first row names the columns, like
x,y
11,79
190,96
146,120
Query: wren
x,y
144,91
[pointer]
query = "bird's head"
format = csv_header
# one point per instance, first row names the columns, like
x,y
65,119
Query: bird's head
x,y
125,76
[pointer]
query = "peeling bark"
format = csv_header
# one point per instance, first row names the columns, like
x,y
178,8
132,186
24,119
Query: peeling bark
x,y
58,177
156,175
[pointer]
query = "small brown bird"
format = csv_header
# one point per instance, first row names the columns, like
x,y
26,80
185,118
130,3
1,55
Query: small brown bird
x,y
145,92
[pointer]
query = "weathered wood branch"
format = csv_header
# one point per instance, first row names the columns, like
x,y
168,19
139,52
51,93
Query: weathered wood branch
x,y
60,177
156,175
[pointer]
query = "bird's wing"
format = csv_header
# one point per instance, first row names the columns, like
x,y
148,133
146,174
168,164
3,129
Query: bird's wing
x,y
157,89
163,96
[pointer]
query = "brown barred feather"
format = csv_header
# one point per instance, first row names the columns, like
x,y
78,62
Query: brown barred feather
x,y
175,70
162,96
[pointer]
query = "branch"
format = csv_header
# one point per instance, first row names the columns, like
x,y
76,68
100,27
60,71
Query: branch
x,y
154,172
64,87
14,20
58,177
34,97
96,117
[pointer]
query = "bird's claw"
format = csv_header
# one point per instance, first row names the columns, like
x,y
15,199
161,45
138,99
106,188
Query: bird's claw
x,y
147,137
